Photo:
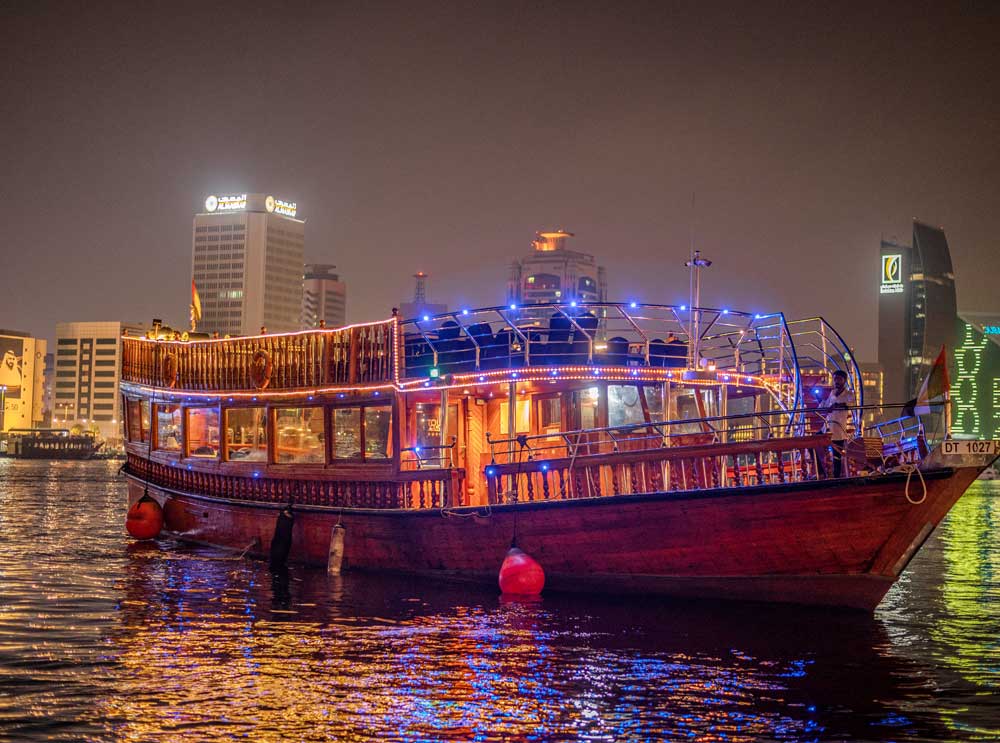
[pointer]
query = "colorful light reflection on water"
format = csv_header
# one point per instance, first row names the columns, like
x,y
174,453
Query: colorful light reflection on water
x,y
102,640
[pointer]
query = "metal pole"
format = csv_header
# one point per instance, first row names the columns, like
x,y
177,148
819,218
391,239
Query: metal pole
x,y
511,418
443,419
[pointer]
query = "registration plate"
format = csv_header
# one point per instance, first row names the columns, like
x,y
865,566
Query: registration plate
x,y
959,447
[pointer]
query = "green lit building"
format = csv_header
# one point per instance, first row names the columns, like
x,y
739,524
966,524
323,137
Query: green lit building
x,y
975,384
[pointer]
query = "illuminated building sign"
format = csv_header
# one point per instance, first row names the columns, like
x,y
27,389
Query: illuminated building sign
x,y
891,274
991,329
287,208
226,203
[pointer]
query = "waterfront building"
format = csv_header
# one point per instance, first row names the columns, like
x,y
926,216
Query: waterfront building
x,y
48,388
88,360
247,256
324,297
917,309
22,369
419,306
553,273
975,385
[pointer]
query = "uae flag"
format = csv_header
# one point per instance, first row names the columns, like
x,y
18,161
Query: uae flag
x,y
195,305
935,386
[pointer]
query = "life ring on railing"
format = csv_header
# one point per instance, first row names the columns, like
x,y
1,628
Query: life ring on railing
x,y
168,369
261,368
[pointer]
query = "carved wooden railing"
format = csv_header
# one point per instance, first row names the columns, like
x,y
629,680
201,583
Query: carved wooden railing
x,y
435,488
664,469
357,355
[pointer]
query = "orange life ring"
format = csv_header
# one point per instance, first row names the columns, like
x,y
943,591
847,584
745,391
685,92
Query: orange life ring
x,y
261,367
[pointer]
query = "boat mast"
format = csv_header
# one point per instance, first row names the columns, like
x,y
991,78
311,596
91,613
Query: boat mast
x,y
695,264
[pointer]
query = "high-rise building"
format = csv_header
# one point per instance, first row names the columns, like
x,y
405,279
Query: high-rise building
x,y
22,369
975,386
246,260
49,388
917,309
553,273
873,383
324,297
88,362
420,307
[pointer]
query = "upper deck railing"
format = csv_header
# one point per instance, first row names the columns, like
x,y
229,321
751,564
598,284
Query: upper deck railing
x,y
356,355
628,335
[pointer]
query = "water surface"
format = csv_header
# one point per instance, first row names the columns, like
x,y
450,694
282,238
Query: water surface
x,y
102,639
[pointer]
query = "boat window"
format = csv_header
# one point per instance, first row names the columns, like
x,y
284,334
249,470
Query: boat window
x,y
362,433
626,406
137,419
133,421
522,415
168,427
347,433
584,404
203,432
550,414
246,435
300,435
378,422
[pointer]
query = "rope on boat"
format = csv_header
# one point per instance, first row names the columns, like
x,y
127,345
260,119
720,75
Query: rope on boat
x,y
909,469
484,513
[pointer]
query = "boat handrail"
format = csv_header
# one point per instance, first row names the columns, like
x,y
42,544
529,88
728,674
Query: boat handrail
x,y
435,455
618,334
659,434
358,355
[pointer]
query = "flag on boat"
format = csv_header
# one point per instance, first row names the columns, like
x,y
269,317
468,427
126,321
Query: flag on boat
x,y
195,305
936,385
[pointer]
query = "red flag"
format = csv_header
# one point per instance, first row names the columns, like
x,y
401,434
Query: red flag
x,y
936,384
195,303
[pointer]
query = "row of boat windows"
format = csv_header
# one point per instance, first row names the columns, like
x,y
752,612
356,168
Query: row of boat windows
x,y
358,434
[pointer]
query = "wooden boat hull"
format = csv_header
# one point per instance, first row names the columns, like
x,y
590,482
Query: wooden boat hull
x,y
834,543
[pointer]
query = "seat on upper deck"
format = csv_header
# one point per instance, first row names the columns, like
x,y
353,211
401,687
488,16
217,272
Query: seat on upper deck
x,y
456,351
616,353
557,346
587,323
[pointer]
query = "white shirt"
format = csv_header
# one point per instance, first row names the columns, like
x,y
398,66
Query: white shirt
x,y
838,420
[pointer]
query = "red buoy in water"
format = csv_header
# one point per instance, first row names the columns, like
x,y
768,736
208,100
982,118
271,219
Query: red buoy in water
x,y
144,519
520,574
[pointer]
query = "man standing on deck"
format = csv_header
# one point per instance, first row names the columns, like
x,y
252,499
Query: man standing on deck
x,y
837,407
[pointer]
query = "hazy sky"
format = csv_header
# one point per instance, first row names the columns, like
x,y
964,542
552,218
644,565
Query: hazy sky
x,y
439,137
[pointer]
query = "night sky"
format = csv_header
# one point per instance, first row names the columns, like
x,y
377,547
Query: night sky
x,y
439,137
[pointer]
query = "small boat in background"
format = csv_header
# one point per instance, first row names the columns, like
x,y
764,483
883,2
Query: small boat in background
x,y
51,443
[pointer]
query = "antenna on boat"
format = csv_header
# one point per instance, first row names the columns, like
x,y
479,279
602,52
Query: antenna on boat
x,y
695,264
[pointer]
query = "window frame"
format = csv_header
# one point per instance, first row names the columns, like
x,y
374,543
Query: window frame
x,y
361,407
268,453
187,436
272,436
154,424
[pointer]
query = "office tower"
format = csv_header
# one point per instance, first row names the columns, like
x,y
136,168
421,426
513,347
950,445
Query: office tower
x,y
324,297
916,308
246,261
553,273
975,385
88,364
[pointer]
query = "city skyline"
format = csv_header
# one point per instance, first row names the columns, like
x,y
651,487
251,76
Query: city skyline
x,y
455,133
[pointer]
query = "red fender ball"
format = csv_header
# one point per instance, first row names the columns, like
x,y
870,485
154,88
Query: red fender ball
x,y
144,519
520,574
